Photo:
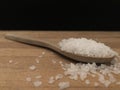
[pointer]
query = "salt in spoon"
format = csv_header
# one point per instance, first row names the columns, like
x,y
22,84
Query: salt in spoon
x,y
46,44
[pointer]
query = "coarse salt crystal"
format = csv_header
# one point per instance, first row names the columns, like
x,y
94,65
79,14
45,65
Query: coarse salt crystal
x,y
28,79
39,76
86,47
37,83
112,78
58,76
107,83
43,53
98,71
40,56
87,81
51,80
64,85
54,61
33,67
83,75
102,80
37,60
10,61
61,63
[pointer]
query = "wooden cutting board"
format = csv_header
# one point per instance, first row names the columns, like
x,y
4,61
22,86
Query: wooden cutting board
x,y
17,58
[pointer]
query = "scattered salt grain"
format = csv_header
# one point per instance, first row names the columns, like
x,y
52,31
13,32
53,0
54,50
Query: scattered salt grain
x,y
33,67
51,80
28,79
10,61
64,85
82,71
54,61
37,61
43,53
86,47
101,78
37,83
39,76
40,56
87,81
112,78
61,63
58,76
107,83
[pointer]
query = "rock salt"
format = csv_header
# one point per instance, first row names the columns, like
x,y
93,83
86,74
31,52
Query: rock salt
x,y
43,53
73,71
10,61
86,47
87,81
51,80
37,83
54,61
37,77
28,79
33,67
64,85
40,56
37,60
58,76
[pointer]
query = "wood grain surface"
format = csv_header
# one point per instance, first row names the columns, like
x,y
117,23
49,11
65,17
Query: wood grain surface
x,y
16,58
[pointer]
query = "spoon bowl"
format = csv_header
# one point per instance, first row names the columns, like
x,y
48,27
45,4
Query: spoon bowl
x,y
47,44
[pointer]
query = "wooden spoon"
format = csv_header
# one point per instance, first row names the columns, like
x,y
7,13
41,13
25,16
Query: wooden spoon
x,y
56,48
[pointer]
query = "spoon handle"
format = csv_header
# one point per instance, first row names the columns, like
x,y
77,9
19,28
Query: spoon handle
x,y
31,41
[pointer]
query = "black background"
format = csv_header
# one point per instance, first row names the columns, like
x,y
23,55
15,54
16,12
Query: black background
x,y
56,15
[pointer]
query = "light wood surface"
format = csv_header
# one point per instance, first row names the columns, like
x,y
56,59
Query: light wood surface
x,y
13,75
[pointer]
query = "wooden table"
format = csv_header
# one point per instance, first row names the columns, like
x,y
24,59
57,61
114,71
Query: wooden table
x,y
16,58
